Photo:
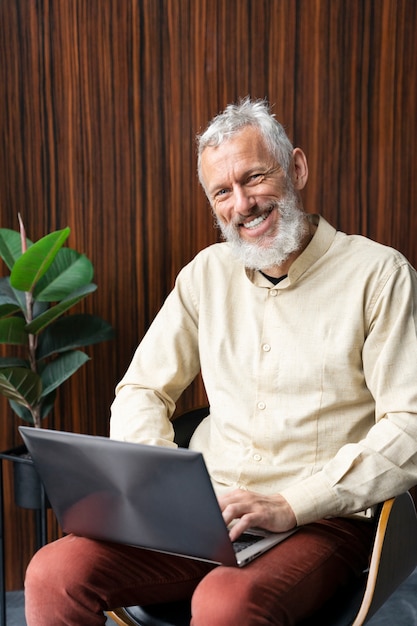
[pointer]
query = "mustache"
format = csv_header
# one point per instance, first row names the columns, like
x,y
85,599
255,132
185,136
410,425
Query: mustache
x,y
255,212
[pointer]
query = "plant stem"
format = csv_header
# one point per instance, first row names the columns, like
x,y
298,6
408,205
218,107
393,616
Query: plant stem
x,y
32,339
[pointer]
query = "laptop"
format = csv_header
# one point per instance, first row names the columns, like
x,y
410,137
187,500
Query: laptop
x,y
148,496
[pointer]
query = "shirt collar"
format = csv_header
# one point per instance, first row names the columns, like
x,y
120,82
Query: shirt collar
x,y
318,246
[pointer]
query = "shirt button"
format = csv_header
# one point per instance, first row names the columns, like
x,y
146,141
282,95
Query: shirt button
x,y
257,457
273,293
266,347
261,406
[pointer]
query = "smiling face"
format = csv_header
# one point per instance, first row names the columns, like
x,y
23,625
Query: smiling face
x,y
256,203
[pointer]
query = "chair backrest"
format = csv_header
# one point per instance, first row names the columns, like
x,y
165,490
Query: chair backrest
x,y
186,423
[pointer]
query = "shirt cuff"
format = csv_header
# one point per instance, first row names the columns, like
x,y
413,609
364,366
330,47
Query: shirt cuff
x,y
312,500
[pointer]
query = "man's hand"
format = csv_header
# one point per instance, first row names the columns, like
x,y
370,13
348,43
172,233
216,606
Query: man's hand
x,y
252,509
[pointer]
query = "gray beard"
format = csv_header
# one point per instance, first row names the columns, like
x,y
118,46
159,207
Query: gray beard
x,y
267,252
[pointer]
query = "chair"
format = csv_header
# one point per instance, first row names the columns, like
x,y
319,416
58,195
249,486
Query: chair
x,y
393,558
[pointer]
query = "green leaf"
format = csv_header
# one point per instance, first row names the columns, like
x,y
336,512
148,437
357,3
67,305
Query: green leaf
x,y
73,331
60,369
19,297
47,404
39,308
32,265
9,302
46,407
21,385
69,271
22,412
43,320
11,246
12,331
12,361
8,309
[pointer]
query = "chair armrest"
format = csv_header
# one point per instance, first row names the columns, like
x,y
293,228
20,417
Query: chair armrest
x,y
394,555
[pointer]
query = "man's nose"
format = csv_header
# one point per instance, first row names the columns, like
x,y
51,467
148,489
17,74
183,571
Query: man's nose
x,y
243,200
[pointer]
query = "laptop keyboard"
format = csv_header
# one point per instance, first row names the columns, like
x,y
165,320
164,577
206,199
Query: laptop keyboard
x,y
244,541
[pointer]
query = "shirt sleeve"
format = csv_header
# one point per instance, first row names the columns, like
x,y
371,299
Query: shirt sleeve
x,y
384,463
164,364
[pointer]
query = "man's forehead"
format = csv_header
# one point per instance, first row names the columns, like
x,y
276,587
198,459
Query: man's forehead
x,y
248,144
239,154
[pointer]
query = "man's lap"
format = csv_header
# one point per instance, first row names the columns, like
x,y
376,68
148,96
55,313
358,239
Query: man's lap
x,y
294,579
300,573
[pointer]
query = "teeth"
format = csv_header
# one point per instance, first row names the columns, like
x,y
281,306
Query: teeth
x,y
256,221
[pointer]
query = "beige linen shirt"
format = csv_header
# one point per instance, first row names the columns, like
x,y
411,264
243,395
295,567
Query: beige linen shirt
x,y
312,383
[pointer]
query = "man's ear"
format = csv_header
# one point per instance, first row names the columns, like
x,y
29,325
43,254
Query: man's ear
x,y
300,168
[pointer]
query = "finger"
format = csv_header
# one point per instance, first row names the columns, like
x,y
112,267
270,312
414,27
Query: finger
x,y
240,527
232,512
231,497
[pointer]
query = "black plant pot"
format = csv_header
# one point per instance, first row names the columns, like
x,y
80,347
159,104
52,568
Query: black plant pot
x,y
27,485
29,492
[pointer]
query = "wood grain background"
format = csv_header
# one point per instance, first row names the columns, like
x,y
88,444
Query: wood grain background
x,y
100,104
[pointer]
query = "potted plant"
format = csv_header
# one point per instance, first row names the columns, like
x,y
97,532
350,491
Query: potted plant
x,y
46,279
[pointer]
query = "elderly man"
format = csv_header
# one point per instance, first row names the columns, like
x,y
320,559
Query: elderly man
x,y
306,340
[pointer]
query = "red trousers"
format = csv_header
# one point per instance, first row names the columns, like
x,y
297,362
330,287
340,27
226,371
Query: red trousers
x,y
70,582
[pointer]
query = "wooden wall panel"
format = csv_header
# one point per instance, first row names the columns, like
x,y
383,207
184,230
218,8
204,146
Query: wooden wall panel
x,y
101,100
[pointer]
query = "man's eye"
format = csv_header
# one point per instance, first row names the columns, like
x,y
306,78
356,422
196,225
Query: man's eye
x,y
221,192
255,177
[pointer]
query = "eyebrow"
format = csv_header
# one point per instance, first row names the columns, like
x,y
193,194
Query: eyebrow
x,y
249,172
262,169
